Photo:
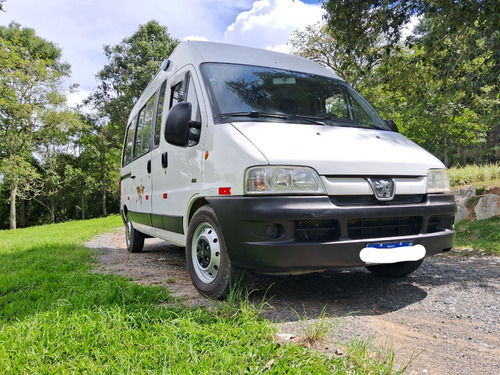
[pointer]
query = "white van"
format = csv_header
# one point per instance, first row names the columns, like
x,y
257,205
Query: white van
x,y
264,161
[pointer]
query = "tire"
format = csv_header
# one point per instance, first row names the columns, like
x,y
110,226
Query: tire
x,y
396,269
207,260
134,238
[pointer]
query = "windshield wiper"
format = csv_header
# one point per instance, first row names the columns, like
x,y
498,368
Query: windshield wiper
x,y
314,119
254,114
321,118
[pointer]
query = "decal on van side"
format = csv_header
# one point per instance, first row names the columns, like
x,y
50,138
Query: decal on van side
x,y
140,192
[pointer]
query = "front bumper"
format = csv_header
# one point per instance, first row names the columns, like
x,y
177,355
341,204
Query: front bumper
x,y
285,234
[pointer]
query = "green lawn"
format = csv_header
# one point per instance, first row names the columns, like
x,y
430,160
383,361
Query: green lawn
x,y
480,235
57,316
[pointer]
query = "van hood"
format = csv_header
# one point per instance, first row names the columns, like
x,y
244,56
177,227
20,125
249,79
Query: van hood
x,y
334,150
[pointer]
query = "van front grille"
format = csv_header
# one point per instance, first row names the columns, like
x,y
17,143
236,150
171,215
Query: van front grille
x,y
384,227
317,230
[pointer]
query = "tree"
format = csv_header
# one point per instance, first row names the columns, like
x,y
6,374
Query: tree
x,y
131,65
434,112
31,74
54,143
317,43
454,55
100,160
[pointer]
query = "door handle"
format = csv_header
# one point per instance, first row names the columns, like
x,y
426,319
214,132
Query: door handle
x,y
164,159
149,166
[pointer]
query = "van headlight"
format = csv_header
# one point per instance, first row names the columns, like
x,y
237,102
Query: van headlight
x,y
282,180
438,181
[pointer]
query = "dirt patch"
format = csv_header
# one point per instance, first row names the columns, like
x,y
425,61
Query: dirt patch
x,y
446,314
495,190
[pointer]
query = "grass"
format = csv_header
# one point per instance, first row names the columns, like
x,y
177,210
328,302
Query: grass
x,y
481,177
57,316
480,235
313,331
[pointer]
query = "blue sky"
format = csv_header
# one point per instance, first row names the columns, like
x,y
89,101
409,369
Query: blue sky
x,y
81,27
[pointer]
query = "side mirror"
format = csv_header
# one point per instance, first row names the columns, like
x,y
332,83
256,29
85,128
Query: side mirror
x,y
180,130
392,125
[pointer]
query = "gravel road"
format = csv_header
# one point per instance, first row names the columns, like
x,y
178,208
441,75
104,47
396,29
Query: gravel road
x,y
446,315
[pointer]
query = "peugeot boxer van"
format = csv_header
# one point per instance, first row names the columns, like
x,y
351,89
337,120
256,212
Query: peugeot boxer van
x,y
269,162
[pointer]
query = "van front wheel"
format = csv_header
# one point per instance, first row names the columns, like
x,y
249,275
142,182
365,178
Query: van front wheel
x,y
206,255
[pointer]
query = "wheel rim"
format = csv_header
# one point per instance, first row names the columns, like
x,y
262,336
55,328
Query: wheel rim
x,y
205,252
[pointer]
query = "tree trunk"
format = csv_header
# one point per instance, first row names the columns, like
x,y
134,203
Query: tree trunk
x,y
13,196
23,213
103,184
83,202
52,209
104,210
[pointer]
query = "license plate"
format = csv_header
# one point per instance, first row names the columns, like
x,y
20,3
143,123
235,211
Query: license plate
x,y
391,245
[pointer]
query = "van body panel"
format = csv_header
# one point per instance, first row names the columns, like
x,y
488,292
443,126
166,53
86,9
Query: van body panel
x,y
228,154
333,150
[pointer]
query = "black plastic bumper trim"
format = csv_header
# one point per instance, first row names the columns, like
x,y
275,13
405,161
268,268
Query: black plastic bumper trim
x,y
244,221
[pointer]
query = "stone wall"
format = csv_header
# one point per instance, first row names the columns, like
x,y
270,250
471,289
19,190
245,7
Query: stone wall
x,y
475,207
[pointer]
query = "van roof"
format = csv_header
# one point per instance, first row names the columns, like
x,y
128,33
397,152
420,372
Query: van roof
x,y
197,52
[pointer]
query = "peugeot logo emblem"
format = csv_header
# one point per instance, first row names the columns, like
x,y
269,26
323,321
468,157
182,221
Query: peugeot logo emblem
x,y
383,188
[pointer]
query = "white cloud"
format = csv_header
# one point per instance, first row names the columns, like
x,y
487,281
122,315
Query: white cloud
x,y
269,23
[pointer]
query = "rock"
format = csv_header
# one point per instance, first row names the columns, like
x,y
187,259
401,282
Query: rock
x,y
488,206
462,213
462,195
465,193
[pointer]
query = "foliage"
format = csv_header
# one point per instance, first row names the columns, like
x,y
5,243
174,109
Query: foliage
x,y
58,316
364,24
437,113
480,235
318,44
31,74
481,177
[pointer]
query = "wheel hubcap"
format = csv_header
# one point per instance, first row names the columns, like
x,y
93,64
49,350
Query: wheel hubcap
x,y
206,252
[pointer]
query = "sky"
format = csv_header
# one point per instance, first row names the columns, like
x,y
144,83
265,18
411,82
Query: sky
x,y
82,27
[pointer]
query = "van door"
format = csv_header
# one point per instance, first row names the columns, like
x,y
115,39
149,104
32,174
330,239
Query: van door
x,y
140,167
177,170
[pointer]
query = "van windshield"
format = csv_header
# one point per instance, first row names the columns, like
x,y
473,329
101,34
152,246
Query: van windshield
x,y
244,93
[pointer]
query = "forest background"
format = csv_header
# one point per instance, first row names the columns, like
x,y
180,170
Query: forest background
x,y
439,83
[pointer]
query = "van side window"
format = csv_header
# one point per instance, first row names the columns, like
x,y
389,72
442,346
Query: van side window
x,y
129,142
178,93
184,91
143,137
159,112
193,99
